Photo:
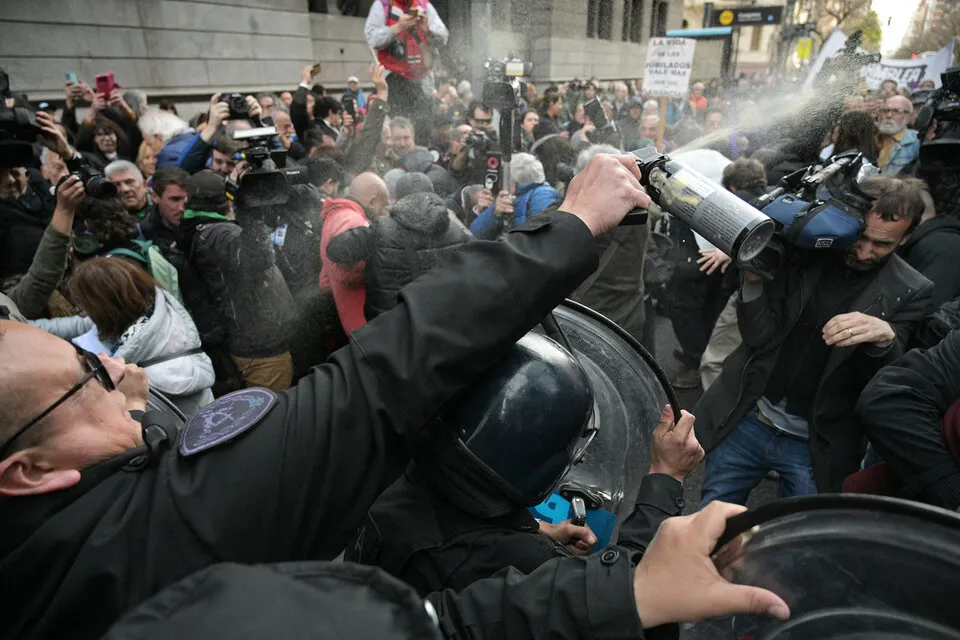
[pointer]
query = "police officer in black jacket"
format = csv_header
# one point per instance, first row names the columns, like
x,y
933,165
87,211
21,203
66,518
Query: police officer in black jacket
x,y
101,511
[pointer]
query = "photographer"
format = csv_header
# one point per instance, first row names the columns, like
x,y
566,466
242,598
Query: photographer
x,y
238,266
812,339
527,195
202,149
26,204
404,34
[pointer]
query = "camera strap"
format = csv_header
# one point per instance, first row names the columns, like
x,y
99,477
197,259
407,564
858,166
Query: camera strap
x,y
604,261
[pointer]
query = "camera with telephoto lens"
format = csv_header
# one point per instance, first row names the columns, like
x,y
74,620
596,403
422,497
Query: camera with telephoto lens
x,y
501,91
939,160
95,184
816,208
268,180
237,103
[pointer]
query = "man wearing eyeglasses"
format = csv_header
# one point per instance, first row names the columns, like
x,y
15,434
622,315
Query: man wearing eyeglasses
x,y
899,146
98,514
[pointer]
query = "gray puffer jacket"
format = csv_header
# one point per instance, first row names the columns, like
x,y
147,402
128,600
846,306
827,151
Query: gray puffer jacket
x,y
169,331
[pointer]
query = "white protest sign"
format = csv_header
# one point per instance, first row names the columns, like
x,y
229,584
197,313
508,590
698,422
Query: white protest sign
x,y
907,73
668,67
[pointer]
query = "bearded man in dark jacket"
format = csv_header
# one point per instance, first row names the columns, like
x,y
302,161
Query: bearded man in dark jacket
x,y
238,265
813,337
399,248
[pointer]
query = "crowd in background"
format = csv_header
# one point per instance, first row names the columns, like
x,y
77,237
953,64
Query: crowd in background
x,y
182,274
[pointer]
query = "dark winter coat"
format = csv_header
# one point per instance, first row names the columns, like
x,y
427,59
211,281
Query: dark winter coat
x,y
896,293
399,248
238,266
22,223
933,249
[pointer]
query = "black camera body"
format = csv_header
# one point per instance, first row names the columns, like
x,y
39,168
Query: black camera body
x,y
238,106
815,208
939,160
18,131
268,180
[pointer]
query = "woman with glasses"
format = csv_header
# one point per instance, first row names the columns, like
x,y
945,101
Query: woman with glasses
x,y
141,322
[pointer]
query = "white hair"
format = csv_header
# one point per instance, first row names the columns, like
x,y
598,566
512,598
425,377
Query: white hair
x,y
620,84
651,105
587,154
524,168
44,155
161,123
464,88
119,166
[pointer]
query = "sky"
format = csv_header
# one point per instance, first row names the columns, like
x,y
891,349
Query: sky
x,y
901,11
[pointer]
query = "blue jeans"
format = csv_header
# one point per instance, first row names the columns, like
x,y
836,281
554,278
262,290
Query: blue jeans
x,y
744,457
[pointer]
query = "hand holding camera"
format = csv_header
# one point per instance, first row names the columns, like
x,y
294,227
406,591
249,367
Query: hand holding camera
x,y
308,72
70,193
51,137
504,205
406,22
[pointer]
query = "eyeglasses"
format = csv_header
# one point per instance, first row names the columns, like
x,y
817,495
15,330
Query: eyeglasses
x,y
483,120
901,112
94,369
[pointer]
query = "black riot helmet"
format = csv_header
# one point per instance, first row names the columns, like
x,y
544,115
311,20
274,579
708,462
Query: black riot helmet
x,y
508,440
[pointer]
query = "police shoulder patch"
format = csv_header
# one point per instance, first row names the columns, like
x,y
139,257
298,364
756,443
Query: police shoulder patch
x,y
225,418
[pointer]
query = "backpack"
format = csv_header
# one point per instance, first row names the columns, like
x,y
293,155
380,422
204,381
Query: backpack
x,y
149,255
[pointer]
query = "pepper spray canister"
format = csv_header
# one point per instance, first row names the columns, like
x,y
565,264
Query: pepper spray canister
x,y
726,221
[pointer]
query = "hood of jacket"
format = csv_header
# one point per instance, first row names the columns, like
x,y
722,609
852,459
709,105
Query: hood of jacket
x,y
934,226
166,331
336,207
418,160
421,212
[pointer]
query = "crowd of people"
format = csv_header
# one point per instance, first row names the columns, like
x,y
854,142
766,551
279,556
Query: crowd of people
x,y
364,287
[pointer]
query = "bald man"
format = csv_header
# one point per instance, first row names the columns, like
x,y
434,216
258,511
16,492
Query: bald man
x,y
368,201
899,146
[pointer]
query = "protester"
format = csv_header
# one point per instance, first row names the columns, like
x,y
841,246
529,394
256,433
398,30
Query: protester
x,y
909,413
398,248
131,186
856,132
368,201
616,288
139,321
747,179
169,189
899,146
932,249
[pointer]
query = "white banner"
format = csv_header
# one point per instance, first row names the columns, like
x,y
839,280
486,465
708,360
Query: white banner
x,y
908,73
668,67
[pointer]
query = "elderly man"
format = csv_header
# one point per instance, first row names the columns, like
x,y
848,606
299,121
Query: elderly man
x,y
131,187
899,146
527,195
101,510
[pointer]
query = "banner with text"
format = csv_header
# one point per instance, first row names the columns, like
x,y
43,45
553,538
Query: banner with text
x,y
906,73
668,67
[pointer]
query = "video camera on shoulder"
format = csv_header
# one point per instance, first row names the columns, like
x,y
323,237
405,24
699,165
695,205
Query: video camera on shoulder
x,y
816,208
268,180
